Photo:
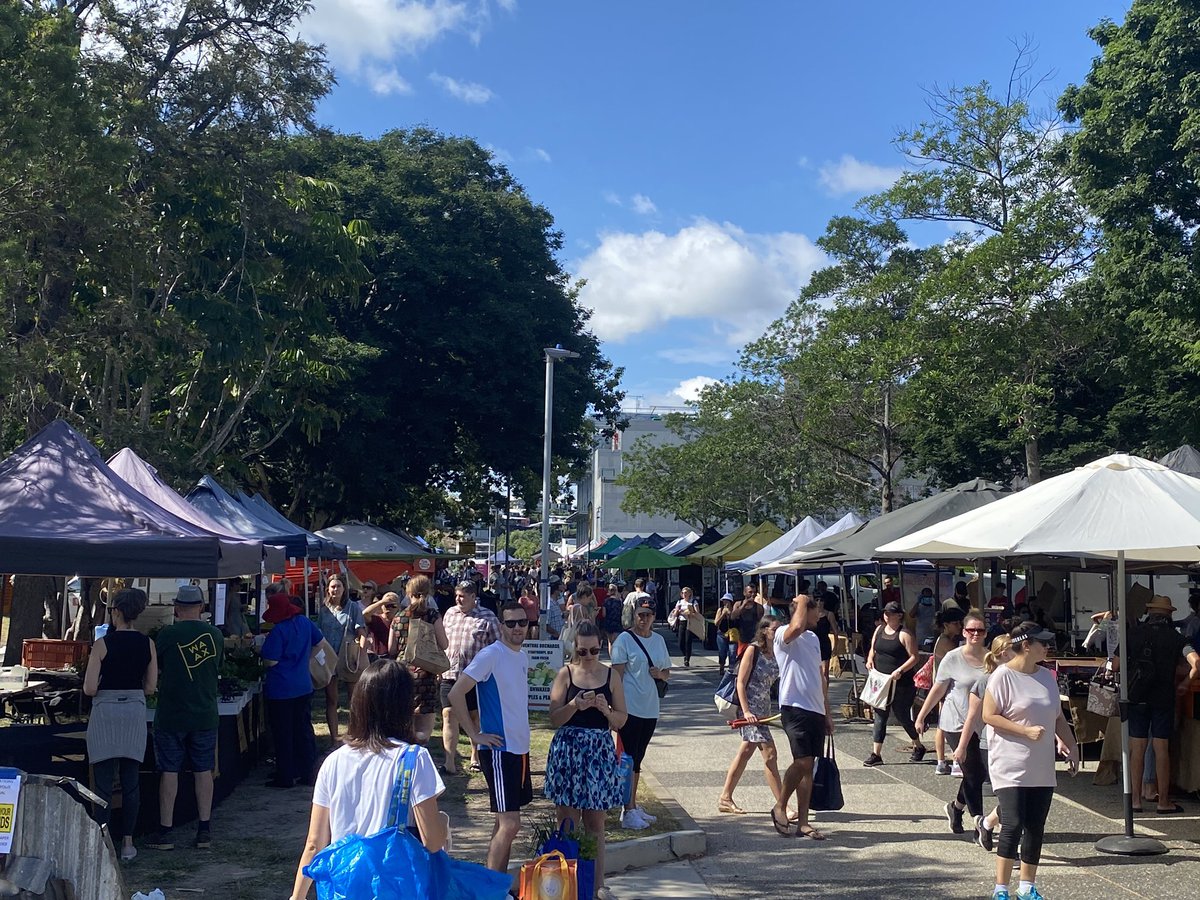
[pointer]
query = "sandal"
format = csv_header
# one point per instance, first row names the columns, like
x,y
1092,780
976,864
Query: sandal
x,y
794,820
728,806
785,829
474,767
1169,812
809,832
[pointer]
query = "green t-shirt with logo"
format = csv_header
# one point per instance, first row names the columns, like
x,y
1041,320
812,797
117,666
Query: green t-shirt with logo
x,y
189,657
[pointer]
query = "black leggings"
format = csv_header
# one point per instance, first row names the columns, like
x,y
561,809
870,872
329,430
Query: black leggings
x,y
1023,812
970,791
685,640
105,771
903,695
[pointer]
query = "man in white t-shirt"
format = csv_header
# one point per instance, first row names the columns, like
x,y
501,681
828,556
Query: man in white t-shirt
x,y
632,600
804,711
500,672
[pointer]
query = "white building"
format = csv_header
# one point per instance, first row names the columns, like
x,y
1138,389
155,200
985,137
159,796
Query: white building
x,y
598,496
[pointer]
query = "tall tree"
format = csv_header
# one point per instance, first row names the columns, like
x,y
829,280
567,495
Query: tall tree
x,y
990,165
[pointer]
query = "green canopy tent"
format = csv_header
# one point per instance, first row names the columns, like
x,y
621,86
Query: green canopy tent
x,y
606,548
746,541
645,557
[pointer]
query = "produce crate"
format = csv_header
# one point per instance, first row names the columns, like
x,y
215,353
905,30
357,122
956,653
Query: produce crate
x,y
37,653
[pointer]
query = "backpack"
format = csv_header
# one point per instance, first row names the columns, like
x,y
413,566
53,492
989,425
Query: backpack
x,y
1142,669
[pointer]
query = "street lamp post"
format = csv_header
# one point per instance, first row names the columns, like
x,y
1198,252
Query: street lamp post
x,y
553,354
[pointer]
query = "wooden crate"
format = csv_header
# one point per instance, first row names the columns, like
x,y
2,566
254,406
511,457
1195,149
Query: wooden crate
x,y
39,653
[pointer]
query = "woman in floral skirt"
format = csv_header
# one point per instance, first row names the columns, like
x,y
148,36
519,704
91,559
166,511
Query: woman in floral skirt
x,y
586,705
756,672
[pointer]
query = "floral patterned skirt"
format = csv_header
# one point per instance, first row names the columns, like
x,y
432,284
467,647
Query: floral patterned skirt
x,y
581,769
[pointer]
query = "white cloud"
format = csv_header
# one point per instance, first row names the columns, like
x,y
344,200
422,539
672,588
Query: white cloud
x,y
689,389
540,154
643,205
636,282
613,198
853,176
359,32
697,354
386,81
466,91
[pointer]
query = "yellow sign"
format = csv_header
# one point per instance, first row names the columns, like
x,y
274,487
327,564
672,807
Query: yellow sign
x,y
6,817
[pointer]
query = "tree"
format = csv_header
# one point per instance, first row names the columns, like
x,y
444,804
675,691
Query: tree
x,y
843,353
1135,162
992,167
736,461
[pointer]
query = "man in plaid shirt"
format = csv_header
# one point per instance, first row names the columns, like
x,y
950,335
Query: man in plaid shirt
x,y
469,628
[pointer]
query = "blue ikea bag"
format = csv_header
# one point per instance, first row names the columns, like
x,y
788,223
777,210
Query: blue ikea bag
x,y
393,865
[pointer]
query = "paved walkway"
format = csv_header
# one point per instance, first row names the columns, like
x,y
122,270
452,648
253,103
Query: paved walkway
x,y
891,840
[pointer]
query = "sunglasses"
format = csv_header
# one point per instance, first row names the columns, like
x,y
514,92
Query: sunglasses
x,y
516,623
588,651
974,631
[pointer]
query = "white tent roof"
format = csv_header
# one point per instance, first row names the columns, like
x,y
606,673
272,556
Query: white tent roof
x,y
790,561
1185,459
804,533
1116,504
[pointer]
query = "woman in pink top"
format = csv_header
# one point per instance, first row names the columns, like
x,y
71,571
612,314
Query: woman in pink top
x,y
1023,712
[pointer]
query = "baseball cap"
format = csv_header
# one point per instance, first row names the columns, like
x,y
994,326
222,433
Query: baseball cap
x,y
893,607
727,596
645,604
1030,632
189,595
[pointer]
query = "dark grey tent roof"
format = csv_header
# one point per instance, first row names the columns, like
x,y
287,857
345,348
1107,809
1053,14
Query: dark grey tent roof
x,y
219,504
317,545
862,541
63,511
1185,459
143,478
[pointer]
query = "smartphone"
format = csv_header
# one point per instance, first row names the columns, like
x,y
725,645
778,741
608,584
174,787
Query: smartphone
x,y
588,696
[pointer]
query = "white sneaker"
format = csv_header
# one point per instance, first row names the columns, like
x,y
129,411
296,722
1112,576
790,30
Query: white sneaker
x,y
645,815
956,770
633,820
128,853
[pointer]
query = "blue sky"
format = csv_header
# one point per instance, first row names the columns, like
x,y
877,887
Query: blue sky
x,y
691,153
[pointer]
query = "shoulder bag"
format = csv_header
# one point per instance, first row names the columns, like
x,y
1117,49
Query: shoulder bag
x,y
1102,693
422,648
726,696
393,864
352,658
659,685
827,781
877,692
322,664
923,680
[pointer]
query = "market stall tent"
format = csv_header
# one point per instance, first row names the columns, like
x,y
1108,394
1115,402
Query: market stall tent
x,y
64,511
742,543
807,530
317,545
1185,459
646,557
143,478
378,554
219,504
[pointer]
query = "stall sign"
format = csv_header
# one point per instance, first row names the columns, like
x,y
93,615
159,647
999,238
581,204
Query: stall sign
x,y
545,659
10,793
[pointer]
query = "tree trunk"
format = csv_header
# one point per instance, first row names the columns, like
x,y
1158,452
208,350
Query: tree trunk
x,y
1033,461
31,595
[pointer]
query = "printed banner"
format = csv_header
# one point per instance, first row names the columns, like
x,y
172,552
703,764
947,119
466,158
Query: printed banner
x,y
545,659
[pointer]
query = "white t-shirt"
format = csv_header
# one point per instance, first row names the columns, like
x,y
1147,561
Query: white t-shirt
x,y
963,678
1025,700
641,694
800,682
356,787
502,675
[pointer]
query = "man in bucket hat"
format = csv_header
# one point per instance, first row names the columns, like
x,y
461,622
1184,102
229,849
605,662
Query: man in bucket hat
x,y
1154,653
186,720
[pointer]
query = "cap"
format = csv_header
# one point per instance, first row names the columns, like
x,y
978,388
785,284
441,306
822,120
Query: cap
x,y
1041,635
727,596
189,595
645,604
954,614
893,607
280,607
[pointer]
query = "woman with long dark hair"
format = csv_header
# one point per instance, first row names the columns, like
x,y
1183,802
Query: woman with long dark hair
x,y
757,671
1023,712
354,786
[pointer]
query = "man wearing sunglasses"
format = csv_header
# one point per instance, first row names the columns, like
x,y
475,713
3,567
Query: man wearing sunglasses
x,y
500,674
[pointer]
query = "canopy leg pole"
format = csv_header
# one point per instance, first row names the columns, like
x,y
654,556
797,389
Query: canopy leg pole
x,y
1127,844
307,611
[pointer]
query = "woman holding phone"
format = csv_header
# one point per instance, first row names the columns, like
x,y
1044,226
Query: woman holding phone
x,y
586,705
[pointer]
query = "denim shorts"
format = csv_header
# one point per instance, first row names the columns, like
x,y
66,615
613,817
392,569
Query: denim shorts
x,y
172,747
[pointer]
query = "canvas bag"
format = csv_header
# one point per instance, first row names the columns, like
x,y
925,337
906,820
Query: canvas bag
x,y
322,665
422,649
549,877
827,781
1102,693
877,692
352,659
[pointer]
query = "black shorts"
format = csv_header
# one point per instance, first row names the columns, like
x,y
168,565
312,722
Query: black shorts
x,y
805,731
472,696
1145,722
509,784
635,738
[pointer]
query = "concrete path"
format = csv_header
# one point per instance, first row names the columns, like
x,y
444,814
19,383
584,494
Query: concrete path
x,y
892,839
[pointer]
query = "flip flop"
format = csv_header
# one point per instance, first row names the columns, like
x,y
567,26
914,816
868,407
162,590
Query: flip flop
x,y
785,829
1169,812
810,833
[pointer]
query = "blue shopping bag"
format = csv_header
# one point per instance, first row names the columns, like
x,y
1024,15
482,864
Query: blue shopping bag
x,y
625,776
564,842
393,865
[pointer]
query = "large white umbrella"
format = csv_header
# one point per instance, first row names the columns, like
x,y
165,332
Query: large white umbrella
x,y
1119,508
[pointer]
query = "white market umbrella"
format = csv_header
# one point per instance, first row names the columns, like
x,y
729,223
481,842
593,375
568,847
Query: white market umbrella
x,y
1120,508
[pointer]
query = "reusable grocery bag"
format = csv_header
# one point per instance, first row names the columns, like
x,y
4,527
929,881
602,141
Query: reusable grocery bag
x,y
827,781
549,877
393,865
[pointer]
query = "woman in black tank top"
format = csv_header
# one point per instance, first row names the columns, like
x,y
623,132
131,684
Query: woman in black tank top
x,y
122,669
894,652
586,705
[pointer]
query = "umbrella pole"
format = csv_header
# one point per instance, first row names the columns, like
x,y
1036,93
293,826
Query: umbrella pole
x,y
849,643
1127,844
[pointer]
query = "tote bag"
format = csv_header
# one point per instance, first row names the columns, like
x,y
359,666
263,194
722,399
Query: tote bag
x,y
422,649
322,665
549,877
1102,693
877,692
352,658
393,865
923,680
827,781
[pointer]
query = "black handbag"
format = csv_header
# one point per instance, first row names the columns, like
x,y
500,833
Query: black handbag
x,y
659,685
827,781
